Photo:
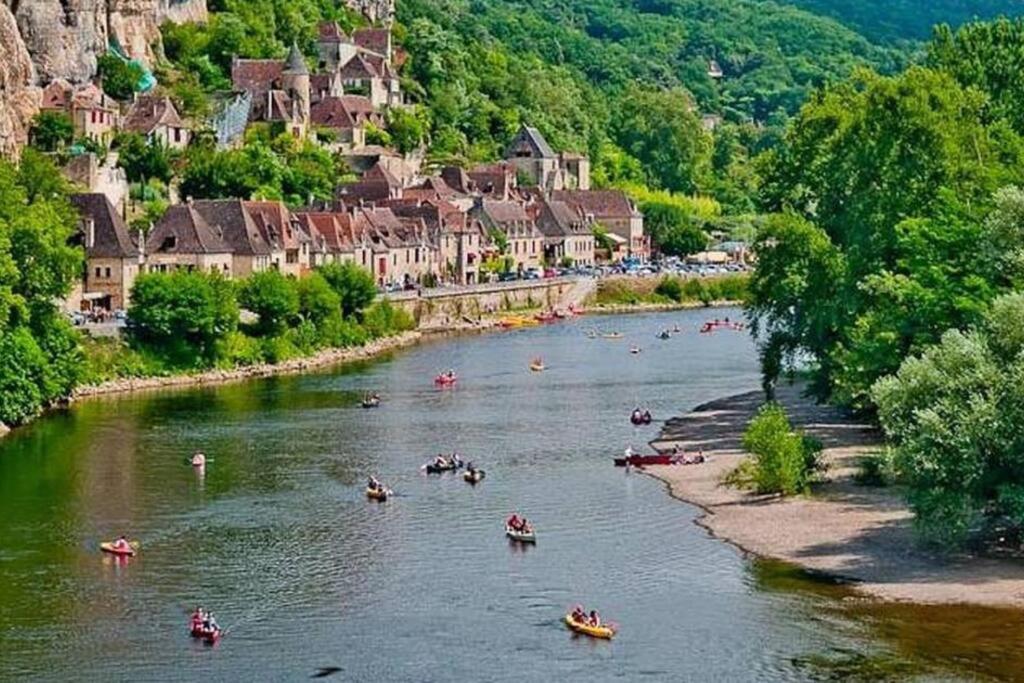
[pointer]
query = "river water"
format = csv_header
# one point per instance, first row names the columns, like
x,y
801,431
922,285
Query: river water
x,y
309,576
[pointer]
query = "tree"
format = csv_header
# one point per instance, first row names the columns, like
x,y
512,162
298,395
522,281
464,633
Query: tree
x,y
782,460
119,77
317,300
353,285
39,352
143,160
672,229
880,165
408,129
182,315
953,414
661,130
51,130
273,297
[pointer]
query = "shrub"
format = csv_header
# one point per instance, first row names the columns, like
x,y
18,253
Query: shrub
x,y
237,349
273,297
383,319
353,285
338,332
670,288
119,77
51,130
782,460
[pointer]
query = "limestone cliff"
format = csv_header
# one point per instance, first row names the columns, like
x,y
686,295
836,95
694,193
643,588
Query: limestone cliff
x,y
65,37
19,100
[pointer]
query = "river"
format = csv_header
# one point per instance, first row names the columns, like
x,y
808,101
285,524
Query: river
x,y
308,575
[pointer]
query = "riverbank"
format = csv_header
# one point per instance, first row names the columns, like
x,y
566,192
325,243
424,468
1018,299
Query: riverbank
x,y
612,309
854,533
323,359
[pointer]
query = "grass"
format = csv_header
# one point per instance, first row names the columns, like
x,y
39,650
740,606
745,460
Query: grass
x,y
671,290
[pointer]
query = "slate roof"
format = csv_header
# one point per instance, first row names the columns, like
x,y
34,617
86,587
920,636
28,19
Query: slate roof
x,y
236,226
331,112
111,237
190,232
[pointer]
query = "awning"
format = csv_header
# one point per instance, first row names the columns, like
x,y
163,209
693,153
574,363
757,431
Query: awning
x,y
95,296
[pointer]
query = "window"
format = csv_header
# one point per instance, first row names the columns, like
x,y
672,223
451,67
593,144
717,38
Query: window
x,y
108,272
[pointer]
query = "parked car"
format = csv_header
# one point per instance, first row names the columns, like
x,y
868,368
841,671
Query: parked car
x,y
508,277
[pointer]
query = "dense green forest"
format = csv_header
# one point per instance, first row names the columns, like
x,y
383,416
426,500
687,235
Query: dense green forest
x,y
902,20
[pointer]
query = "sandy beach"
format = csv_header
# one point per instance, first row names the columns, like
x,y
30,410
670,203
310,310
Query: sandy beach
x,y
857,533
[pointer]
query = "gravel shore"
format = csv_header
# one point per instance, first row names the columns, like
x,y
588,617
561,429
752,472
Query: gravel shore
x,y
857,533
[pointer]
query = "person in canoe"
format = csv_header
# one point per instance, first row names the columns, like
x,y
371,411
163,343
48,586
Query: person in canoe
x,y
373,484
198,459
594,619
579,615
121,544
513,522
196,623
636,417
456,460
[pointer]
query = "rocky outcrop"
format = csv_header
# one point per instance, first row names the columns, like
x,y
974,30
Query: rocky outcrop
x,y
19,100
65,37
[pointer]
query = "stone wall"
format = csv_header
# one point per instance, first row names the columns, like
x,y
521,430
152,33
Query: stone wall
x,y
457,306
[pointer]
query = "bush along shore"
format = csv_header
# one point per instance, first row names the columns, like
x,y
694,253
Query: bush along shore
x,y
626,294
190,327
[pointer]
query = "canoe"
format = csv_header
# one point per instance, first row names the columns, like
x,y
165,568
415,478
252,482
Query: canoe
x,y
537,367
438,469
121,552
605,632
445,380
641,460
612,335
371,404
522,537
378,494
209,637
474,477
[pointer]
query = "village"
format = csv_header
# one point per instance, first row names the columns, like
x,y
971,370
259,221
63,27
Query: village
x,y
409,224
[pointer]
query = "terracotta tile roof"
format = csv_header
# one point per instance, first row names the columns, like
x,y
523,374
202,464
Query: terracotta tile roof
x,y
505,212
457,179
57,95
380,65
381,174
236,226
275,225
598,203
335,229
111,237
150,111
375,39
331,112
359,68
330,32
257,76
494,179
183,230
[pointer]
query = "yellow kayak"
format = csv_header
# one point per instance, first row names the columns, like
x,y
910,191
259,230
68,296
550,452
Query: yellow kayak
x,y
605,632
377,494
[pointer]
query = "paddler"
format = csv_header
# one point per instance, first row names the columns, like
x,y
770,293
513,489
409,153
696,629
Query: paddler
x,y
198,460
513,522
121,543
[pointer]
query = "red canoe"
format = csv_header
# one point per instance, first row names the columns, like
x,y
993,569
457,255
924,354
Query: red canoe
x,y
210,637
445,380
641,460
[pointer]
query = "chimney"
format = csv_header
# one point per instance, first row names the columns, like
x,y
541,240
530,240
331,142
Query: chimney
x,y
90,233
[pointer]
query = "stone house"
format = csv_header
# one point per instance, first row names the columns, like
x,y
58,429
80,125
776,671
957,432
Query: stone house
x,y
112,257
614,211
231,219
156,118
183,239
290,246
458,239
376,185
332,114
281,91
567,233
93,115
340,237
534,158
402,251
106,178
511,219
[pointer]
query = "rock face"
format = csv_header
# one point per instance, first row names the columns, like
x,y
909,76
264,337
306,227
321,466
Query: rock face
x,y
19,100
65,37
